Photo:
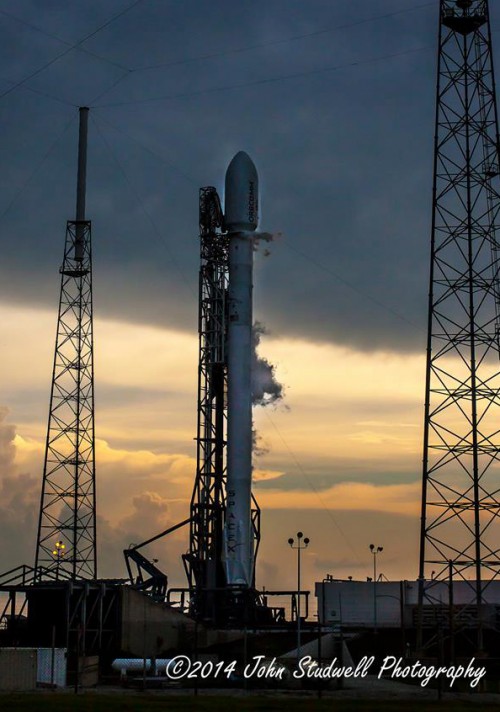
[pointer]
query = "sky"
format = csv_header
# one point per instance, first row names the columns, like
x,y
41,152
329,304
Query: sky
x,y
335,104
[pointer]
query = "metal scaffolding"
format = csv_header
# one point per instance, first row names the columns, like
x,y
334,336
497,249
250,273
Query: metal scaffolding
x,y
210,598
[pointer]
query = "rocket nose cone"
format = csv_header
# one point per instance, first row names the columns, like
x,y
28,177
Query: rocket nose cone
x,y
241,161
241,198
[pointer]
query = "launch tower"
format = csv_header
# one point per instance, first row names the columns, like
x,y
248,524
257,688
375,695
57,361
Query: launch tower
x,y
212,597
224,518
203,563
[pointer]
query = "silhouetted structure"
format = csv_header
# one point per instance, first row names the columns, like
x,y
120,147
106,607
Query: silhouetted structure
x,y
210,598
66,541
460,529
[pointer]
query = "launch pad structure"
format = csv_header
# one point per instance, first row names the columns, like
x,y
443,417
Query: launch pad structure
x,y
83,613
210,596
460,515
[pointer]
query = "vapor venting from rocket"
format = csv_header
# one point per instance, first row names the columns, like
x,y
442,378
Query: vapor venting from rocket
x,y
266,389
266,238
250,379
259,448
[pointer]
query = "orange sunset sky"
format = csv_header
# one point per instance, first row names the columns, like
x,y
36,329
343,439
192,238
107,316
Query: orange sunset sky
x,y
341,458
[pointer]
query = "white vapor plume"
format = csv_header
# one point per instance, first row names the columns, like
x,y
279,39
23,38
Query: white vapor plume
x,y
264,237
265,387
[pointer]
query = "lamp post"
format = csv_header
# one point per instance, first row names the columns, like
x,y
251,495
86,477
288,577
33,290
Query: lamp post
x,y
375,550
58,553
302,543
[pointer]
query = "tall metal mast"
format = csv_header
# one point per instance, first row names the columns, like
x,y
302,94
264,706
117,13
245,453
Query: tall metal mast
x,y
203,563
460,525
66,542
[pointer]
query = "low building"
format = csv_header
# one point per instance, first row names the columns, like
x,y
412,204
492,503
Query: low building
x,y
394,604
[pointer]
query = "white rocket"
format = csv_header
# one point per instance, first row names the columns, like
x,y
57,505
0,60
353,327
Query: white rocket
x,y
241,215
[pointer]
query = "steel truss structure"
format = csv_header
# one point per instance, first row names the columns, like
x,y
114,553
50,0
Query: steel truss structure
x,y
67,506
81,616
204,561
460,525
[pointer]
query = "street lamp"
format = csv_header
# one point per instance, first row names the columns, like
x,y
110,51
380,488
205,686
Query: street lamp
x,y
58,553
302,543
375,550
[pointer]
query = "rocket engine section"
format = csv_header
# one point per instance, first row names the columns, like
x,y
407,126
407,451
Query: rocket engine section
x,y
241,217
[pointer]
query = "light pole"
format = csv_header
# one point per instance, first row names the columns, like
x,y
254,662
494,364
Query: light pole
x,y
302,543
58,553
375,550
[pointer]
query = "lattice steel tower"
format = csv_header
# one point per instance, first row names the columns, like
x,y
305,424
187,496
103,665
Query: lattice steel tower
x,y
210,596
460,529
203,563
66,543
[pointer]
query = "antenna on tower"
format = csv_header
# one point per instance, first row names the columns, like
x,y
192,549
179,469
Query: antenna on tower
x,y
66,540
81,182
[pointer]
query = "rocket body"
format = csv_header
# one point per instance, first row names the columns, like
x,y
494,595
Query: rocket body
x,y
241,214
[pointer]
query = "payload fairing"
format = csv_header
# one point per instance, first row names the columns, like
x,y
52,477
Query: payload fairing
x,y
241,217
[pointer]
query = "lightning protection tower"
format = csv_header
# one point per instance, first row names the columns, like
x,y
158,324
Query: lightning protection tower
x,y
460,524
66,542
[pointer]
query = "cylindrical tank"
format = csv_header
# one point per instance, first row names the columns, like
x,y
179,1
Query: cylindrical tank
x,y
124,665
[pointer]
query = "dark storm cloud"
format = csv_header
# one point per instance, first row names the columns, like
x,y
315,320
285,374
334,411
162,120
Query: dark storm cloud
x,y
344,156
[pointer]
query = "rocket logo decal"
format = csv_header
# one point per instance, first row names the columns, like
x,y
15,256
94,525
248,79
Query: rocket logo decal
x,y
252,202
